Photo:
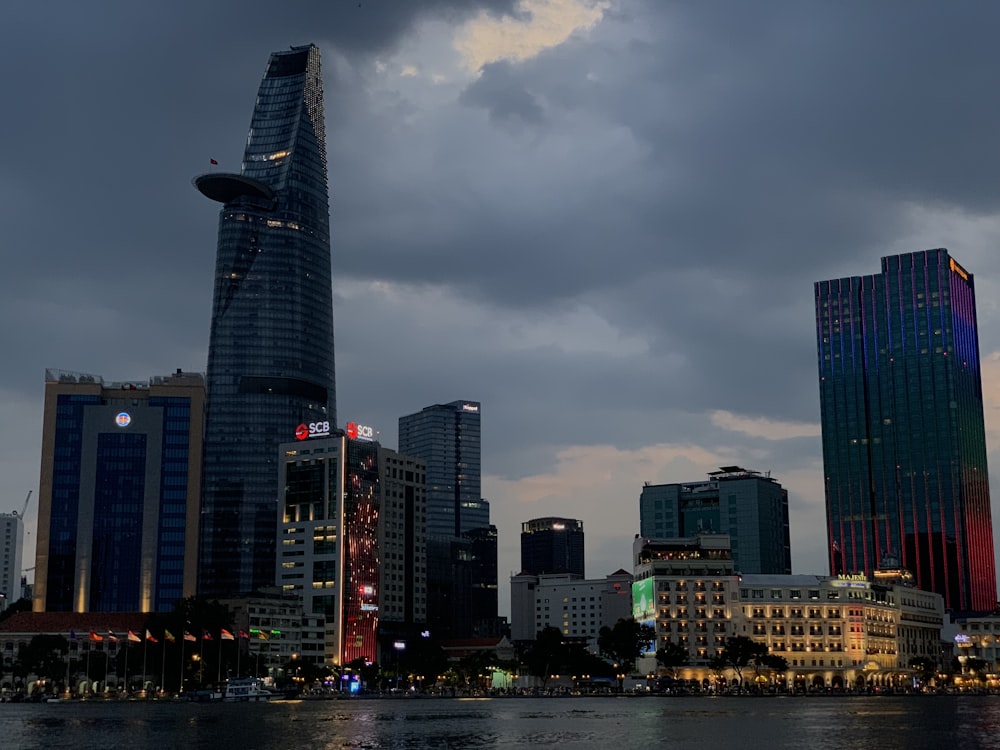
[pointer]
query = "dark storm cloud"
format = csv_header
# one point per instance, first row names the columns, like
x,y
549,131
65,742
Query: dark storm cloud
x,y
603,243
503,94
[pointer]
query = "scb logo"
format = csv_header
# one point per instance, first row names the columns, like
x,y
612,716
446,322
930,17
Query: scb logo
x,y
355,431
313,429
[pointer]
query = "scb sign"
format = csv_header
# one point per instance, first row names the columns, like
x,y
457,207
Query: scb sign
x,y
312,429
357,431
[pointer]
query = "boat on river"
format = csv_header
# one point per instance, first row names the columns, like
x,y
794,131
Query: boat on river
x,y
246,689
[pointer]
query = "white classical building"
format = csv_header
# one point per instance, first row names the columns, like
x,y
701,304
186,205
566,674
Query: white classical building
x,y
833,631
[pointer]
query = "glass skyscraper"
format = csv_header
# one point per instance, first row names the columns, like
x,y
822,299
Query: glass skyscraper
x,y
904,449
752,508
270,360
461,543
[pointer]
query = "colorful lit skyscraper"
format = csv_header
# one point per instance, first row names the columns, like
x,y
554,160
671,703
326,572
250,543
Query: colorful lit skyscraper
x,y
904,449
270,359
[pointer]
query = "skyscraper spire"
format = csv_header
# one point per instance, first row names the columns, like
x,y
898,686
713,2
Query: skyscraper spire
x,y
270,359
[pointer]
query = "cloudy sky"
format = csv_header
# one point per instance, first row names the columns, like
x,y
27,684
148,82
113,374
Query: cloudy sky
x,y
601,218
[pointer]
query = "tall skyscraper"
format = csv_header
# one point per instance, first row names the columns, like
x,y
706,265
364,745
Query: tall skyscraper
x,y
552,545
461,543
447,437
270,357
118,493
904,449
752,508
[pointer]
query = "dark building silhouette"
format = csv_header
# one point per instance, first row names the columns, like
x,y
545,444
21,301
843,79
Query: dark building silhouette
x,y
904,449
461,542
270,360
552,545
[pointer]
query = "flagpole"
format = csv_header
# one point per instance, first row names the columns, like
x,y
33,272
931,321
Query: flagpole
x,y
183,640
218,670
163,665
144,642
126,665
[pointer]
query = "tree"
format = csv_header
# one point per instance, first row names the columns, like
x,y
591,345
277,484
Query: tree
x,y
671,655
977,667
546,654
925,666
740,652
45,656
625,641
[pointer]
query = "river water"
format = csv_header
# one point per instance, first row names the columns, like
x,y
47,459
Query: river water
x,y
885,723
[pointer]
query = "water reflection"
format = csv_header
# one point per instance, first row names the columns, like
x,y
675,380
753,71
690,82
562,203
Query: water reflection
x,y
956,723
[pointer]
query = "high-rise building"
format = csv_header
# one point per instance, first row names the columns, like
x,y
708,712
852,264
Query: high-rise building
x,y
750,507
352,518
904,449
270,357
552,545
119,493
11,548
461,542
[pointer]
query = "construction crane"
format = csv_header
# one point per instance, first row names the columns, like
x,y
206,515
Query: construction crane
x,y
25,508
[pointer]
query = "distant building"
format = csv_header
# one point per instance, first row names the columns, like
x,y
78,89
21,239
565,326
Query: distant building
x,y
904,446
552,545
352,542
118,505
577,607
461,541
749,507
11,549
280,630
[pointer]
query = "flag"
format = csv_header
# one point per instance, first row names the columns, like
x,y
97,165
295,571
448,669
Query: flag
x,y
72,634
226,635
94,636
189,637
112,637
262,635
151,639
206,636
133,637
213,162
169,636
245,635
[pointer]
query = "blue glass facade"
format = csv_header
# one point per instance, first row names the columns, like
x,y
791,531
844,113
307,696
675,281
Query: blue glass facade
x,y
904,449
552,545
750,507
270,362
119,488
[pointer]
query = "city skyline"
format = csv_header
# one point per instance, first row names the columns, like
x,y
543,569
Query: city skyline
x,y
604,226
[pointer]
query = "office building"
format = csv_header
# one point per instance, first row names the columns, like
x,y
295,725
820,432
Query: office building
x,y
270,357
461,542
552,545
11,549
904,450
280,631
119,493
750,507
577,607
352,517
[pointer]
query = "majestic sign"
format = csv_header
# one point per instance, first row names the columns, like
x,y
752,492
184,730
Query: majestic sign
x,y
124,419
312,429
357,431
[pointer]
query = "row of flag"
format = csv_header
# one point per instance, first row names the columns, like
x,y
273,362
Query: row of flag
x,y
133,637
